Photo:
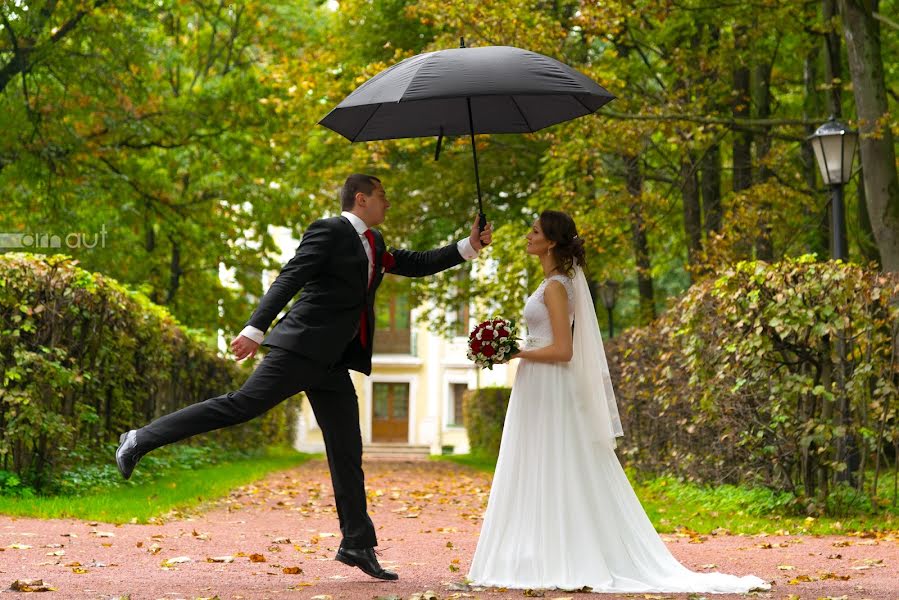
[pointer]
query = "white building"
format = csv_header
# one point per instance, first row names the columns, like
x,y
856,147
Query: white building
x,y
413,399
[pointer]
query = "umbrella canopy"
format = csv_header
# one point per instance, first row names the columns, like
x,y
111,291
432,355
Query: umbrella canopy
x,y
464,91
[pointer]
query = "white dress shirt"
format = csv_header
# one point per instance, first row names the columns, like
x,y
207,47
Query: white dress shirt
x,y
463,246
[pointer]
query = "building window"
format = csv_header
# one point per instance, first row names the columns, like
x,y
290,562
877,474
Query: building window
x,y
390,412
393,333
454,418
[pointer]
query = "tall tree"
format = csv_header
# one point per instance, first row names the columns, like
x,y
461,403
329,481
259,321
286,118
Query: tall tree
x,y
877,147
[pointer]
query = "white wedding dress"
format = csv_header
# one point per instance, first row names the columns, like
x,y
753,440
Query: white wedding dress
x,y
562,514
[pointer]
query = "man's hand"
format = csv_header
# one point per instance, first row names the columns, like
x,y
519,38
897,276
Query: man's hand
x,y
243,347
478,238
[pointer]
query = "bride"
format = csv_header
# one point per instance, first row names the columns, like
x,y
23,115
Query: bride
x,y
561,512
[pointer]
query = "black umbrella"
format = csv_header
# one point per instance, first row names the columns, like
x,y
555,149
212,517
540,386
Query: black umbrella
x,y
491,89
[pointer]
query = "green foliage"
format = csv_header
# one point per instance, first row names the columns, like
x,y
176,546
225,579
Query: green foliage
x,y
152,497
749,363
483,412
83,359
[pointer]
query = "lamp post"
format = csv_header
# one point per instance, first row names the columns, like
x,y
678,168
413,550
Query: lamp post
x,y
608,292
834,145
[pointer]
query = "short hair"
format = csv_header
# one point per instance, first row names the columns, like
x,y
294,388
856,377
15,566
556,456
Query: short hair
x,y
354,184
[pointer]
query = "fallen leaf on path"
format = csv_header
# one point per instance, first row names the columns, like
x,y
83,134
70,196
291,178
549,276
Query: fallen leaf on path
x,y
79,570
257,558
800,579
709,566
786,567
177,560
56,553
300,585
529,593
322,597
103,534
154,549
292,570
31,585
829,575
281,540
220,559
18,546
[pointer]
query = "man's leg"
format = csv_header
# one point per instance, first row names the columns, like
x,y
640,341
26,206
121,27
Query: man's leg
x,y
337,412
280,375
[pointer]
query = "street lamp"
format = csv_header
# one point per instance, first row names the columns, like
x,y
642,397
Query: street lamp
x,y
608,292
834,145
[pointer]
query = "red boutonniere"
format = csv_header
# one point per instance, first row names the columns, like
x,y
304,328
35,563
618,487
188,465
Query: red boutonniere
x,y
387,261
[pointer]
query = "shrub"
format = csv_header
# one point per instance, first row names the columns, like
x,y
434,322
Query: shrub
x,y
83,359
761,375
483,412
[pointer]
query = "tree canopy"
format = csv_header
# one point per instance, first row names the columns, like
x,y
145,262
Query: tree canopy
x,y
187,128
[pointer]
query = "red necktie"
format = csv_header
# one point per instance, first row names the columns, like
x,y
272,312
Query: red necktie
x,y
363,323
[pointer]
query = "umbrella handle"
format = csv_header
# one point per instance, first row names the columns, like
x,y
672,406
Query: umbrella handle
x,y
482,222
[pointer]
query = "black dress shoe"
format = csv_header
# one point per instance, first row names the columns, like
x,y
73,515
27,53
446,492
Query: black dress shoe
x,y
365,559
126,456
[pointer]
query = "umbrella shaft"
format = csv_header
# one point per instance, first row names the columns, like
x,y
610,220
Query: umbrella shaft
x,y
474,152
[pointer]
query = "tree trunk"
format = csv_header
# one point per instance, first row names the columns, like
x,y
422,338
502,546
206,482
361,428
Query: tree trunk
x,y
692,211
876,145
710,183
742,151
764,248
866,243
833,65
175,272
640,243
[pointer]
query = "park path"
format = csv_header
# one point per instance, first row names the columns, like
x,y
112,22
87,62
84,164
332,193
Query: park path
x,y
278,537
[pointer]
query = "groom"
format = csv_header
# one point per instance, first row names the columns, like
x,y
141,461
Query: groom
x,y
338,266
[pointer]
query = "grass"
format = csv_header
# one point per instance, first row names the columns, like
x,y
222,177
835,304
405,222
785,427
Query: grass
x,y
674,506
147,500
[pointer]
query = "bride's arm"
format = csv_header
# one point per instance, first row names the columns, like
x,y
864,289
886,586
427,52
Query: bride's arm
x,y
556,299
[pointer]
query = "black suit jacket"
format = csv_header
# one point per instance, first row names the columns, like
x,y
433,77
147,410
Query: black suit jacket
x,y
331,269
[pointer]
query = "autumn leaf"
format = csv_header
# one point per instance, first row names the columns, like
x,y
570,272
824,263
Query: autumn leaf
x,y
31,585
220,559
257,558
177,560
292,570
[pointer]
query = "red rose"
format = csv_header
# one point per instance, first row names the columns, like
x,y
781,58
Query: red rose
x,y
387,261
487,334
476,346
488,351
502,332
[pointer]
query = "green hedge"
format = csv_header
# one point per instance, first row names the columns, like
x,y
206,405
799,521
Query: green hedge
x,y
483,412
83,359
743,381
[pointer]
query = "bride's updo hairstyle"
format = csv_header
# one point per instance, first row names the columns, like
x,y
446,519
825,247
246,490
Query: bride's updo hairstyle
x,y
558,227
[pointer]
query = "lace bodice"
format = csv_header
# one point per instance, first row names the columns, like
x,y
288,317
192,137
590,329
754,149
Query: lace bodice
x,y
536,315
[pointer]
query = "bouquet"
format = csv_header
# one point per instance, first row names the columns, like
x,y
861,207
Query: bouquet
x,y
492,341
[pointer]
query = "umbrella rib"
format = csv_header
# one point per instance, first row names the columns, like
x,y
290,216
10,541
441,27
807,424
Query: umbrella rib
x,y
521,112
361,129
582,103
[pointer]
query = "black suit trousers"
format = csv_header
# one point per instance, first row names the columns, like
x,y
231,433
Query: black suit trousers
x,y
280,375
